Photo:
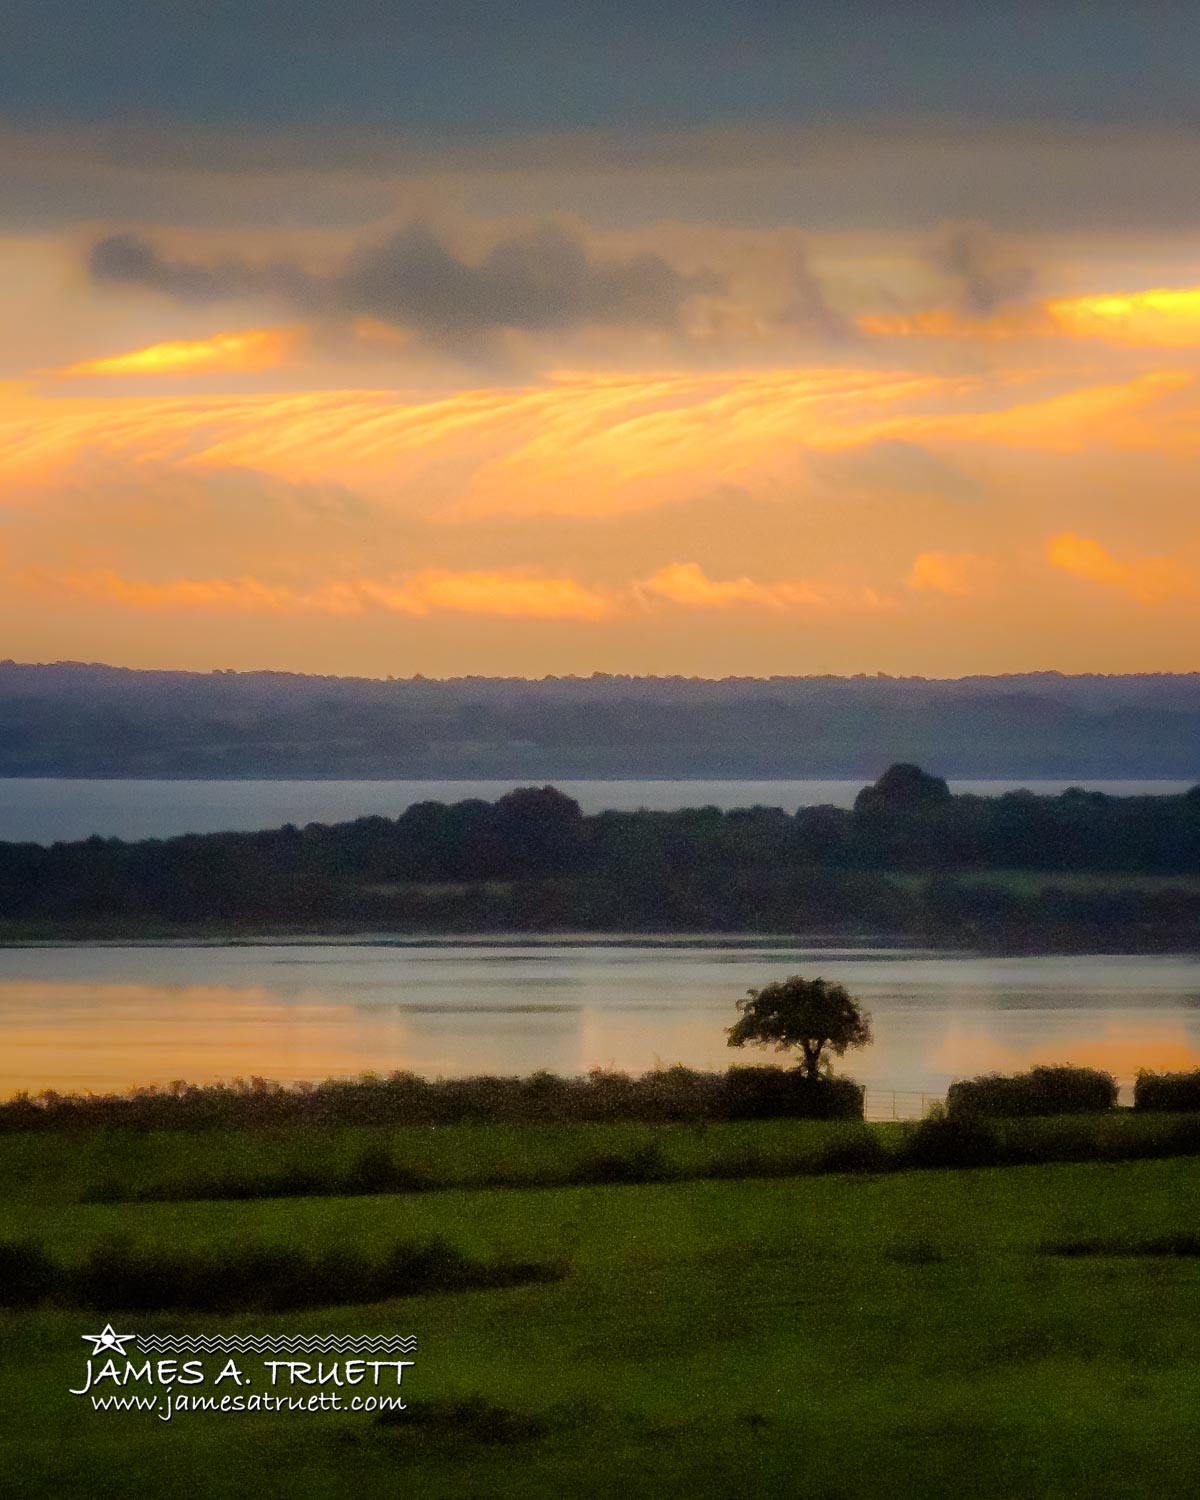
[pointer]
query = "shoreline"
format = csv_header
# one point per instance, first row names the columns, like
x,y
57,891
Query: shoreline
x,y
889,944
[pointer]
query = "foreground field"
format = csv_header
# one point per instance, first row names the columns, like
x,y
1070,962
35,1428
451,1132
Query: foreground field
x,y
913,1333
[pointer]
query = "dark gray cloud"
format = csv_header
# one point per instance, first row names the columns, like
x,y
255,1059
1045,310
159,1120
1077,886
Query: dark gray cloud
x,y
809,312
130,260
476,69
540,280
906,178
986,270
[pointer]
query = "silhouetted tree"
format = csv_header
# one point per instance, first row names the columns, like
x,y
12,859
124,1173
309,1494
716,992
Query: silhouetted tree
x,y
811,1015
903,786
538,830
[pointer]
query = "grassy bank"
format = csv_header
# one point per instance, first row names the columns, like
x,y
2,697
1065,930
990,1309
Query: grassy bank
x,y
139,1167
997,1332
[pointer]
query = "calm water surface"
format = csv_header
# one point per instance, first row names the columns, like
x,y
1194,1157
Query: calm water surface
x,y
108,1017
43,810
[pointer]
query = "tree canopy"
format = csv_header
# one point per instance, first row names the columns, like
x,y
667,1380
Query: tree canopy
x,y
813,1016
533,861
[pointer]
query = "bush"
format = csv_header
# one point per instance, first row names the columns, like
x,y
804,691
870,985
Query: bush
x,y
861,1150
1041,1091
27,1274
120,1276
786,1093
1167,1091
639,1164
946,1140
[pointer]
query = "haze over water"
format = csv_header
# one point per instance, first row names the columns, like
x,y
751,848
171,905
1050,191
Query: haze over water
x,y
110,1017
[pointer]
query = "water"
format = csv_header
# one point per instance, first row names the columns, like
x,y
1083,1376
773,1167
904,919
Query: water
x,y
109,1017
43,810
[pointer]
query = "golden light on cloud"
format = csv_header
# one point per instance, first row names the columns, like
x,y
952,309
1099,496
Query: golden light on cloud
x,y
248,350
687,584
416,594
243,595
584,447
711,513
1120,414
508,594
944,323
573,445
1149,580
1163,318
493,594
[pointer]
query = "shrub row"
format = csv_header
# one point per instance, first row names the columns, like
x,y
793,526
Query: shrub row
x,y
943,1139
940,1140
1041,1091
850,1148
670,1094
1070,1091
126,1278
1167,1091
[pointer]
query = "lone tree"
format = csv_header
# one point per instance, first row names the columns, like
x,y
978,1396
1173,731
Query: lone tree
x,y
811,1014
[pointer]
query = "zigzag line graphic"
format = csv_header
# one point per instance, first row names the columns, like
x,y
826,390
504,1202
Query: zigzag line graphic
x,y
249,1343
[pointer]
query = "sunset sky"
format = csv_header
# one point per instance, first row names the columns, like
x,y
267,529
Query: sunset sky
x,y
364,337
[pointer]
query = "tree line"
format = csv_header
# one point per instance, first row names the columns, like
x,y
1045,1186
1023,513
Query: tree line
x,y
75,719
908,857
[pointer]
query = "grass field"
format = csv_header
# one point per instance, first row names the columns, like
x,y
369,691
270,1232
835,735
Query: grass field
x,y
903,1334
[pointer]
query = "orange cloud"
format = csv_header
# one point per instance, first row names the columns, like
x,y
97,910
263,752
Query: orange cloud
x,y
687,584
577,445
478,593
955,573
250,349
416,594
493,594
944,323
1149,580
244,595
1163,318
1116,415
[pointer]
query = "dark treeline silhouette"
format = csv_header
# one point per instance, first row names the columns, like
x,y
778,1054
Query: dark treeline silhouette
x,y
667,1095
908,858
75,719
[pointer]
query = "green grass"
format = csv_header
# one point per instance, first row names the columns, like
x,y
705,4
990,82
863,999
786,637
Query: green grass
x,y
53,1168
60,1167
837,1336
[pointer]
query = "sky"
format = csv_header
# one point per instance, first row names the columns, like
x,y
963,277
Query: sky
x,y
581,335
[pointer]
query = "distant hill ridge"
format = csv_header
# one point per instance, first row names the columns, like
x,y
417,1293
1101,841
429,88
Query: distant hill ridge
x,y
89,719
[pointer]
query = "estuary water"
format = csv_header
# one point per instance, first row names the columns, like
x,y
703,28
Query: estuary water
x,y
41,811
107,1017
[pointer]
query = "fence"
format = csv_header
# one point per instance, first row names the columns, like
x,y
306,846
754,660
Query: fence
x,y
898,1104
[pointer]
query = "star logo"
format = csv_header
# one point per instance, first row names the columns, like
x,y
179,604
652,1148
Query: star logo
x,y
108,1340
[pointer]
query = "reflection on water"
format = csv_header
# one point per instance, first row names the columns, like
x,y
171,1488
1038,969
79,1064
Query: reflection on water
x,y
103,1018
